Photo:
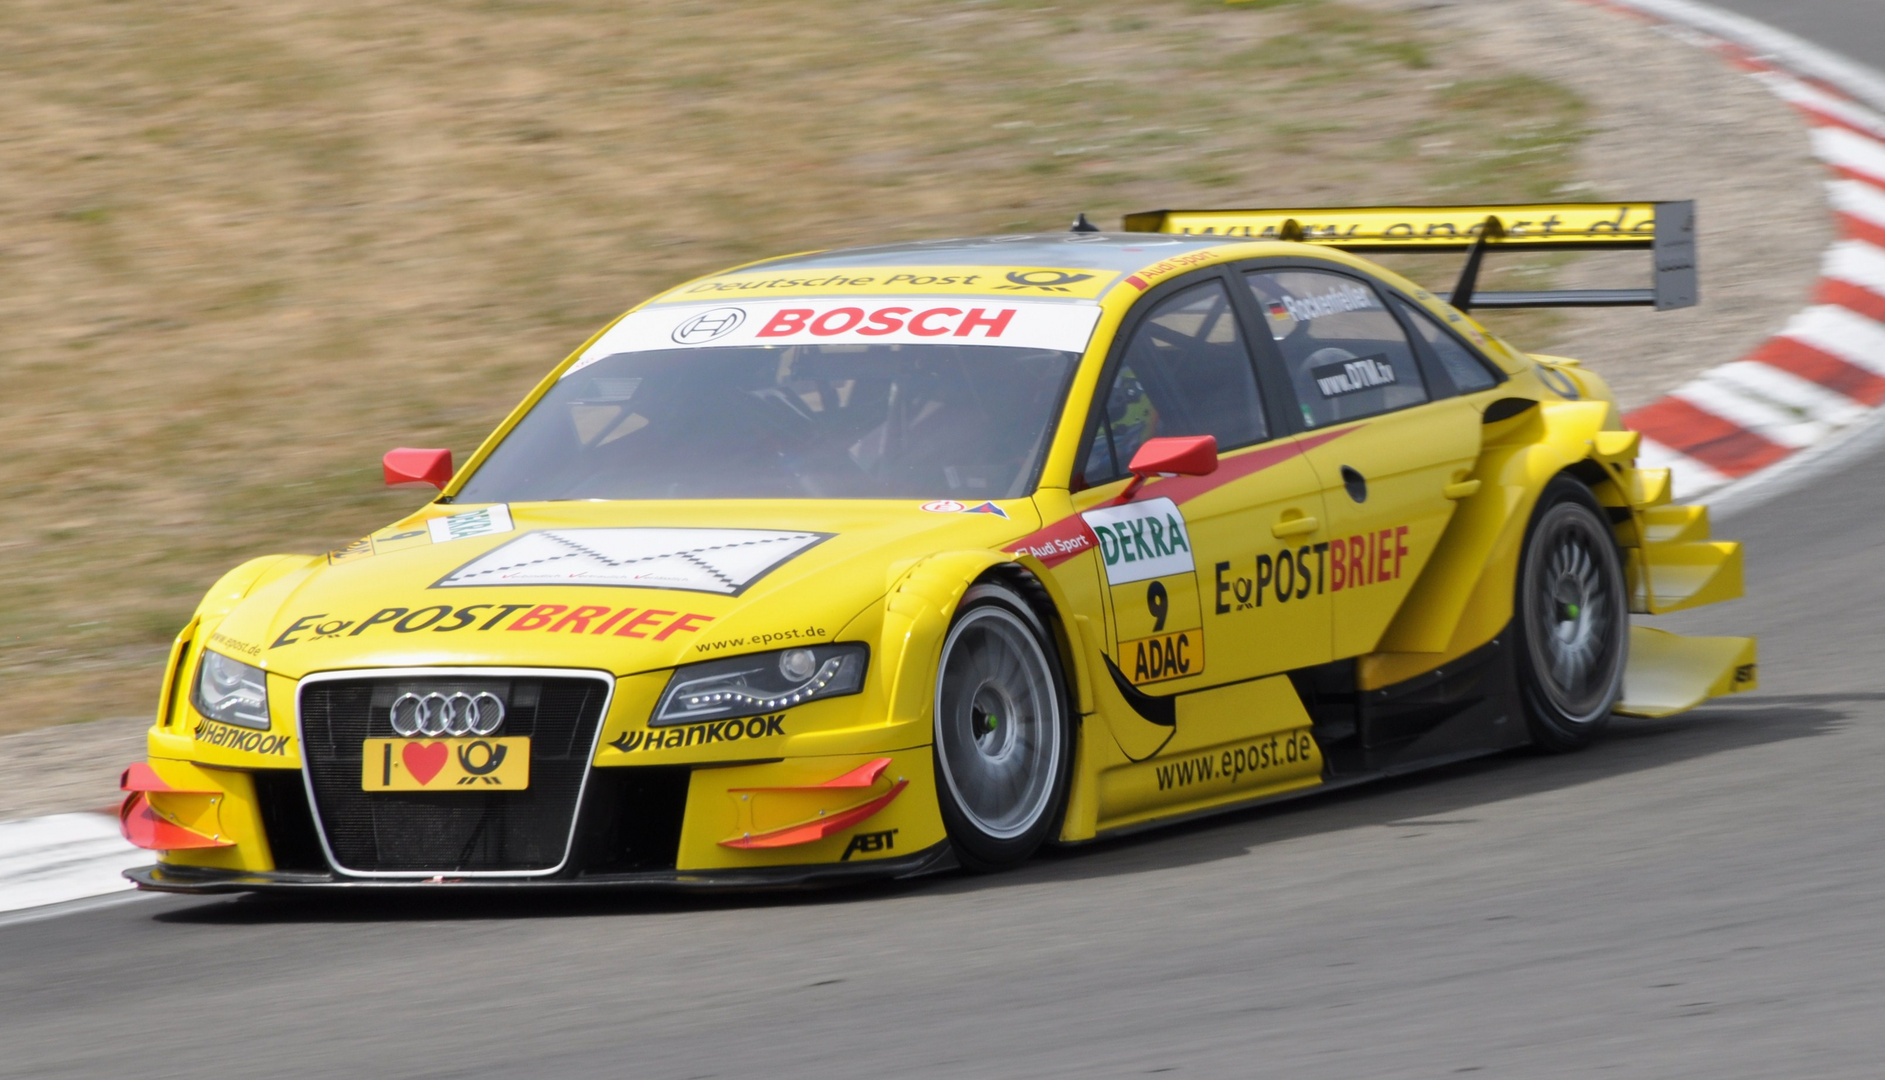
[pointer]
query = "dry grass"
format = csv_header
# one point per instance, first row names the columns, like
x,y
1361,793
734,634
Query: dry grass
x,y
246,247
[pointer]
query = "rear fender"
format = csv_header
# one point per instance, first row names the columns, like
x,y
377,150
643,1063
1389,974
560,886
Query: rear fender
x,y
1464,596
1673,563
1670,561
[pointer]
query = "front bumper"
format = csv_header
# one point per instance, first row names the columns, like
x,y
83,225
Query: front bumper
x,y
774,823
825,791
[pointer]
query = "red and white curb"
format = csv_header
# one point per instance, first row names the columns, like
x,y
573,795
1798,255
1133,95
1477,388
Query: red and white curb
x,y
50,860
1746,423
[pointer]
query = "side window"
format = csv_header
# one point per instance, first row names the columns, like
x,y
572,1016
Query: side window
x,y
1468,372
1347,356
1185,371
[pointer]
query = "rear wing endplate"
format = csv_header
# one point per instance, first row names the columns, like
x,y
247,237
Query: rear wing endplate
x,y
1665,229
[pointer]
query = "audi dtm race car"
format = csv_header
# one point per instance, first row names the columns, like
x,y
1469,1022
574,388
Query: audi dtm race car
x,y
882,561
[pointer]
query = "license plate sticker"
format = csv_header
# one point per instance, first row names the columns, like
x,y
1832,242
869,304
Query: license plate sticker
x,y
445,764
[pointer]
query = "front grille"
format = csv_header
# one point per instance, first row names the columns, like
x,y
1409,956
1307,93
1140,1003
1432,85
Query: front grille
x,y
449,832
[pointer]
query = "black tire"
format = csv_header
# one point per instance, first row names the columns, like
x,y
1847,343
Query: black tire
x,y
1004,746
1571,618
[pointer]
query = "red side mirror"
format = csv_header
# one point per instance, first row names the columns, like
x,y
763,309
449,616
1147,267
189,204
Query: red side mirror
x,y
406,465
1183,455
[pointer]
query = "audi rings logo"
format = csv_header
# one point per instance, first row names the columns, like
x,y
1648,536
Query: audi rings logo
x,y
447,714
709,325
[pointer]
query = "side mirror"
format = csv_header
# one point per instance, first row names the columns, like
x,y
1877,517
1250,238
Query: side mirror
x,y
1176,455
406,465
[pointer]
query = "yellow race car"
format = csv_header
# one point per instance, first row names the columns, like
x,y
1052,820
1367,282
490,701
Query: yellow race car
x,y
881,561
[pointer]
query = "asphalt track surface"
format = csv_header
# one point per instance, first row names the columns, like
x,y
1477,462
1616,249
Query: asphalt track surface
x,y
1701,896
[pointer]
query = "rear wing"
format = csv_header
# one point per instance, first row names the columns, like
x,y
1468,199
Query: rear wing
x,y
1665,229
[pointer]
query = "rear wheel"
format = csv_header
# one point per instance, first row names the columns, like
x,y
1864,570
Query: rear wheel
x,y
1573,620
1003,751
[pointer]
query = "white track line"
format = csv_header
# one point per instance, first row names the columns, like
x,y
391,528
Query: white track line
x,y
1850,150
62,857
1770,420
71,907
1858,198
1789,391
1856,262
1842,332
1813,99
1688,478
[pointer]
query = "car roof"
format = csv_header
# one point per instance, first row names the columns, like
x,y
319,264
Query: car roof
x,y
1071,250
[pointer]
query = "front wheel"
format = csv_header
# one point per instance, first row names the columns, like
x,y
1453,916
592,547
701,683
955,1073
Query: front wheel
x,y
1573,620
1003,753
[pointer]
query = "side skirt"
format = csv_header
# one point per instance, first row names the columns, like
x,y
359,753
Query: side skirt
x,y
1463,708
1329,784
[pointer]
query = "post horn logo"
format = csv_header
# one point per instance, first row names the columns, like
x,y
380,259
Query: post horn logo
x,y
709,325
1044,280
493,757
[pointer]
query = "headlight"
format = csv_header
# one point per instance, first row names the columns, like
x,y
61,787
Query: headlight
x,y
744,685
231,691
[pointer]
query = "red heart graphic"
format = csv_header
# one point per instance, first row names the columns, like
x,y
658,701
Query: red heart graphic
x,y
424,760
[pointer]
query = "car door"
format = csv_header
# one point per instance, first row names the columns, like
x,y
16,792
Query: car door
x,y
1385,433
1209,579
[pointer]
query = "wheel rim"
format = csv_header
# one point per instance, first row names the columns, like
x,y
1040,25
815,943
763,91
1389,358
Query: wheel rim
x,y
997,722
1573,599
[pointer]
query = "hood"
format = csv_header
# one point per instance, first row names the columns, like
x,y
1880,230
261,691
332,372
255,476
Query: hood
x,y
615,586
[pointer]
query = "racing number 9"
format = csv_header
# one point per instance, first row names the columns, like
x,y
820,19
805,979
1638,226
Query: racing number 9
x,y
1158,604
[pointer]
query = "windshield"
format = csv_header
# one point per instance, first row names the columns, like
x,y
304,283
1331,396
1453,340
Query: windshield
x,y
843,421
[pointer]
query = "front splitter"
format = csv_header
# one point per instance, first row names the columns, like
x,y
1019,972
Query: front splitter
x,y
201,880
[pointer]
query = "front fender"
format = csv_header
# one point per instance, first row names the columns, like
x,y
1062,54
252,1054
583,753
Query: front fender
x,y
922,602
220,599
917,614
232,587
